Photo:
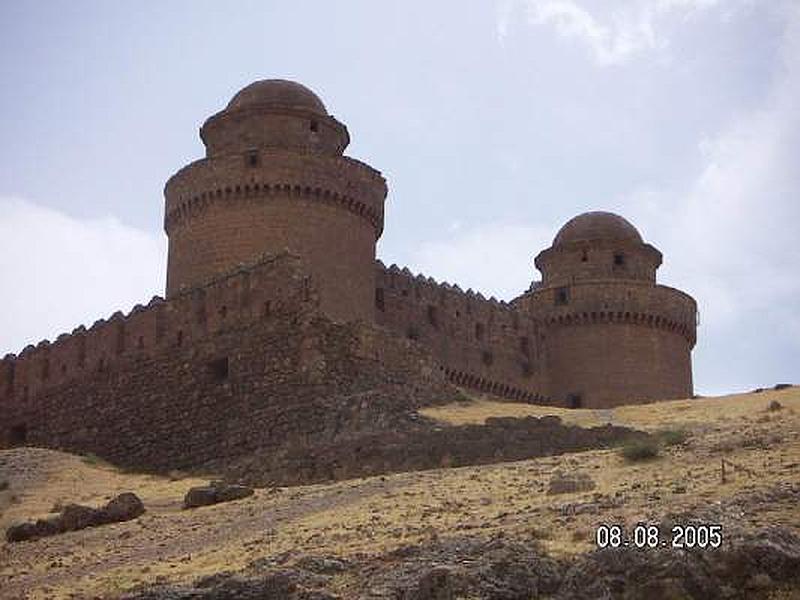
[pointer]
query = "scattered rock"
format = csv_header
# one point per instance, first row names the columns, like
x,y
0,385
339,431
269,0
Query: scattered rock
x,y
74,517
774,406
570,483
214,493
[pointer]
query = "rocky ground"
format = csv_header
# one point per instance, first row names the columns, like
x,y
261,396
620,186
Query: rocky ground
x,y
505,530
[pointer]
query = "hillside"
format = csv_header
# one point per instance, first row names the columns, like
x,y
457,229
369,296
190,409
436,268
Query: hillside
x,y
376,537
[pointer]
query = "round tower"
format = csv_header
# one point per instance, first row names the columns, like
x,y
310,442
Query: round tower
x,y
275,178
612,335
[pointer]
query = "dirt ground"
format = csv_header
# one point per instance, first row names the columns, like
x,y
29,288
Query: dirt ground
x,y
370,516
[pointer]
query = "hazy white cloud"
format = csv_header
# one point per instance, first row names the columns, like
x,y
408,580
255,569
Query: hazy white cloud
x,y
60,272
731,237
727,228
613,35
494,259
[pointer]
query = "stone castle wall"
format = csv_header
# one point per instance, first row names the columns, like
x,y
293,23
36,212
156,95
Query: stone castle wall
x,y
482,343
246,363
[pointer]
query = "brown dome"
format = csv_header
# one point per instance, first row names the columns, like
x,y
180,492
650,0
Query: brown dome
x,y
277,93
596,225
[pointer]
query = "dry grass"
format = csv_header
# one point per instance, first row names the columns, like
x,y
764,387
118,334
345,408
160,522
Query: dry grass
x,y
380,513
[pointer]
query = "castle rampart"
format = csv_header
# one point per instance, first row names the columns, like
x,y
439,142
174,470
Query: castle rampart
x,y
236,299
482,343
268,331
247,362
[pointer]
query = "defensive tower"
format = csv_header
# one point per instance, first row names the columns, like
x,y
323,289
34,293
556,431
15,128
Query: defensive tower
x,y
275,178
613,335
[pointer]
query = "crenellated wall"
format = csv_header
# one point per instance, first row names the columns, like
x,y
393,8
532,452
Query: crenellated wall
x,y
238,298
247,362
482,343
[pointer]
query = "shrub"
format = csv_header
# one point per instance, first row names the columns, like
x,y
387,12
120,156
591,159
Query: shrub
x,y
638,450
673,437
95,461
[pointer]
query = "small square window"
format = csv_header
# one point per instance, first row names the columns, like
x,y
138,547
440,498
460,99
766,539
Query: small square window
x,y
619,260
380,302
314,127
219,369
433,316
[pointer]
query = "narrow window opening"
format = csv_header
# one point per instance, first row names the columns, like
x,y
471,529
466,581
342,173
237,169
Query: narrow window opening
x,y
574,401
314,126
584,256
223,312
487,357
219,369
267,310
433,316
251,158
140,342
527,369
619,260
18,435
479,331
179,339
380,303
562,296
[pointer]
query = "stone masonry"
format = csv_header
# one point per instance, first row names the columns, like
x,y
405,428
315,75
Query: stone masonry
x,y
277,311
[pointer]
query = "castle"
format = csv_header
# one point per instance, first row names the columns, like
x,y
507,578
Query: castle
x,y
275,300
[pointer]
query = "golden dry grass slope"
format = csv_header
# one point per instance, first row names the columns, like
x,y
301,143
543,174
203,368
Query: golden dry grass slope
x,y
369,516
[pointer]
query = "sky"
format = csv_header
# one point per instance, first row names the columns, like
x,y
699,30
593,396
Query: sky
x,y
494,122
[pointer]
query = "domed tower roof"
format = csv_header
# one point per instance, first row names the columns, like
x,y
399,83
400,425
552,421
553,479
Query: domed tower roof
x,y
596,225
277,93
271,114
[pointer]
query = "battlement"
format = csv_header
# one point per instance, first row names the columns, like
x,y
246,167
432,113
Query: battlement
x,y
274,285
483,343
339,181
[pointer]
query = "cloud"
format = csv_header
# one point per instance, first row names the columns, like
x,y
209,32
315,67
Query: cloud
x,y
490,259
60,271
623,31
728,228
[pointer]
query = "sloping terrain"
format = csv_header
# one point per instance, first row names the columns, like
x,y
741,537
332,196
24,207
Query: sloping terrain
x,y
407,534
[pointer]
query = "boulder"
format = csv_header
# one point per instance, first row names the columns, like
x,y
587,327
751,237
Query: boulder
x,y
214,493
124,507
74,517
200,496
